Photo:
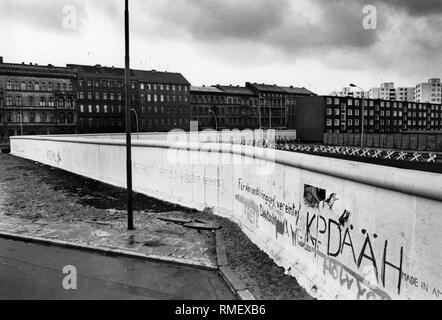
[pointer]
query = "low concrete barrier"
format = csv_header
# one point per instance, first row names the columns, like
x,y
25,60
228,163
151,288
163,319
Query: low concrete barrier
x,y
346,230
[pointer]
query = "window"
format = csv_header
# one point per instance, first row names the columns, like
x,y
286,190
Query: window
x,y
9,85
81,108
97,108
8,101
43,117
42,102
19,101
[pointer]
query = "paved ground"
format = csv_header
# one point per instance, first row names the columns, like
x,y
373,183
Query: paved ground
x,y
29,271
37,199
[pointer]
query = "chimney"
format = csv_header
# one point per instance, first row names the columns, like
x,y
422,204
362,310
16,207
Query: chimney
x,y
1,59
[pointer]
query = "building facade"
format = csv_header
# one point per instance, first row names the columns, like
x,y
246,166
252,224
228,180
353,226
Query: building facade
x,y
328,114
405,94
430,91
225,107
248,107
348,92
160,101
36,100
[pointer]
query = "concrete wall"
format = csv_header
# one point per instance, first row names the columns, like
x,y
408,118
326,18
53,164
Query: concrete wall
x,y
346,230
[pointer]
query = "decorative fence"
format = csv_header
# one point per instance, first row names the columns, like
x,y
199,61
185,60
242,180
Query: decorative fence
x,y
398,155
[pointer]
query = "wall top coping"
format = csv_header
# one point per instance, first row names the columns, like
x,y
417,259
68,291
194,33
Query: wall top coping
x,y
416,183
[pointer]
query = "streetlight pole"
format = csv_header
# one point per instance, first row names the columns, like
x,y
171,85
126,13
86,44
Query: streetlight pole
x,y
363,113
216,121
136,117
259,114
21,121
130,223
270,115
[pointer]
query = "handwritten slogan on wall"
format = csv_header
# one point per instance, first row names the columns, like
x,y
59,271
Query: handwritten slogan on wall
x,y
354,258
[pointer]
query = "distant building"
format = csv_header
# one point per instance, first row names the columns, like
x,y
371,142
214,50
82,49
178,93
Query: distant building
x,y
374,93
237,107
36,100
405,94
430,91
387,92
160,100
277,103
348,92
233,107
328,114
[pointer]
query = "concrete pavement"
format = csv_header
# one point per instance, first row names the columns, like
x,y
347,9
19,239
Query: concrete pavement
x,y
30,271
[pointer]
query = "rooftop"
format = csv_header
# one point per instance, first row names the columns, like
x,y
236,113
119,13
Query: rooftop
x,y
99,71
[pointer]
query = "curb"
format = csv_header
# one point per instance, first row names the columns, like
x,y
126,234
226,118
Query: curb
x,y
107,251
235,284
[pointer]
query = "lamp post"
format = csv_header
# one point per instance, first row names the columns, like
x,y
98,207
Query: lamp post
x,y
136,117
216,121
259,114
21,121
130,223
363,113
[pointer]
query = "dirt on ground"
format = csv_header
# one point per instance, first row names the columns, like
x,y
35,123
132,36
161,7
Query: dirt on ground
x,y
33,191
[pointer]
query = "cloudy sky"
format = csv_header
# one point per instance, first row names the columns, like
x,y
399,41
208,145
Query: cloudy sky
x,y
318,44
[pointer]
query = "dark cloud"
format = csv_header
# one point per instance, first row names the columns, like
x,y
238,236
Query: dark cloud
x,y
48,14
416,7
264,22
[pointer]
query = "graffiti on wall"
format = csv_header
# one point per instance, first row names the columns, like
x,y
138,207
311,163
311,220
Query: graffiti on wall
x,y
355,258
53,157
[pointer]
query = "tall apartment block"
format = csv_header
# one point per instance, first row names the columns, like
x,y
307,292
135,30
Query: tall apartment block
x,y
328,114
430,91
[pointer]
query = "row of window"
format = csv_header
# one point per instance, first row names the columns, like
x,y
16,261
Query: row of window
x,y
151,123
17,117
42,102
383,104
141,86
382,113
143,98
119,109
387,122
38,86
